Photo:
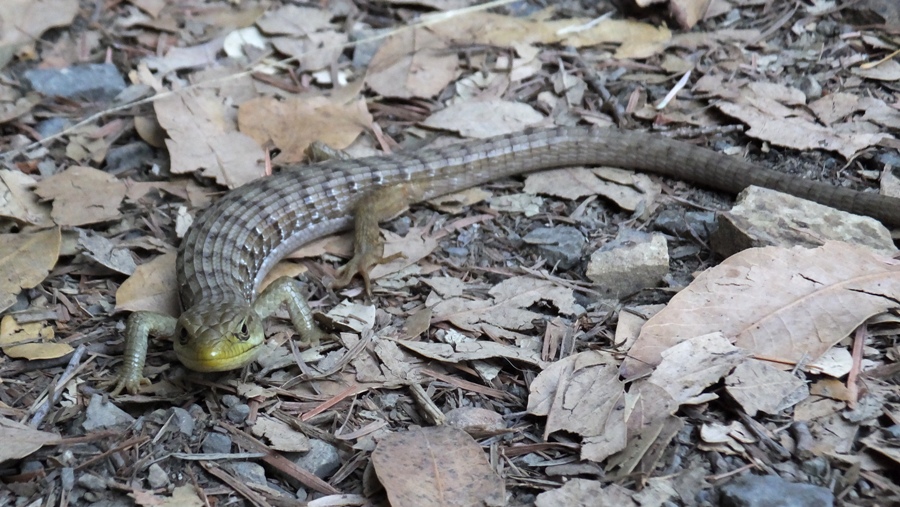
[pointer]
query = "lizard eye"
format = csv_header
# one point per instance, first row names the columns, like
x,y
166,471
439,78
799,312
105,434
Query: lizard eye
x,y
244,332
183,336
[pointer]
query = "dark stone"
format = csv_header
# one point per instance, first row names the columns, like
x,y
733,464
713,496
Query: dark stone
x,y
52,126
322,459
125,158
772,491
238,413
94,82
216,443
685,224
562,245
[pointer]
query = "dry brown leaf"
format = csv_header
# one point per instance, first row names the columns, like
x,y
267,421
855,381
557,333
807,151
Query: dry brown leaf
x,y
688,12
203,137
182,496
151,7
353,317
283,268
443,5
582,394
412,63
149,129
414,246
26,259
294,123
19,202
294,20
82,195
12,110
799,133
178,58
152,287
508,307
437,467
24,21
637,40
20,440
484,118
759,386
30,341
306,34
627,189
105,252
281,437
473,350
87,145
527,204
885,71
692,365
314,52
779,304
835,107
583,493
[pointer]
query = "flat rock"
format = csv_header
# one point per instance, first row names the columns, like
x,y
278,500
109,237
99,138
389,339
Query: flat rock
x,y
772,491
93,82
764,217
322,459
633,261
560,245
103,414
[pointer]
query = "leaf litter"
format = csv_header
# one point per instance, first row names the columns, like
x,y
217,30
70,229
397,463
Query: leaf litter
x,y
470,318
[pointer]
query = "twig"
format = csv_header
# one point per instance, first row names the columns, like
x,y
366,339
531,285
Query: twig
x,y
53,396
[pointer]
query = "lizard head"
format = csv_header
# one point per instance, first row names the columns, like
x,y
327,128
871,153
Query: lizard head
x,y
218,337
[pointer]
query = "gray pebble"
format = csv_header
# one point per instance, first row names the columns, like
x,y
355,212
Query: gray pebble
x,y
67,477
230,400
248,471
238,413
771,490
92,482
216,443
322,459
93,81
52,126
157,477
183,420
561,245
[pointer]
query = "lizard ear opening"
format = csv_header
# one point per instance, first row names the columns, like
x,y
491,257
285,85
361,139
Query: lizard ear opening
x,y
182,334
244,331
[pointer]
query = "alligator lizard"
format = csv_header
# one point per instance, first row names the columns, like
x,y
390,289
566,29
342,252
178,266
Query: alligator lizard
x,y
235,242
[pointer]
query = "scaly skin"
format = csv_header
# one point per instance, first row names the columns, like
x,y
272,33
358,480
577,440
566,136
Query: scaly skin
x,y
235,242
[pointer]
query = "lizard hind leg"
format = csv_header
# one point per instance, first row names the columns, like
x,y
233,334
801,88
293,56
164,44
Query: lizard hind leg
x,y
368,247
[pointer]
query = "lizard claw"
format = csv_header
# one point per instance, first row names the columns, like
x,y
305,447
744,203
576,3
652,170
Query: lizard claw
x,y
361,263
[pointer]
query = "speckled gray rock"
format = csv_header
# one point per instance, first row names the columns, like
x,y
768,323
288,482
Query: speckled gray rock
x,y
764,217
102,414
238,413
216,443
157,477
248,471
92,482
686,224
230,400
633,261
322,459
772,491
93,81
52,126
183,420
560,245
125,158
